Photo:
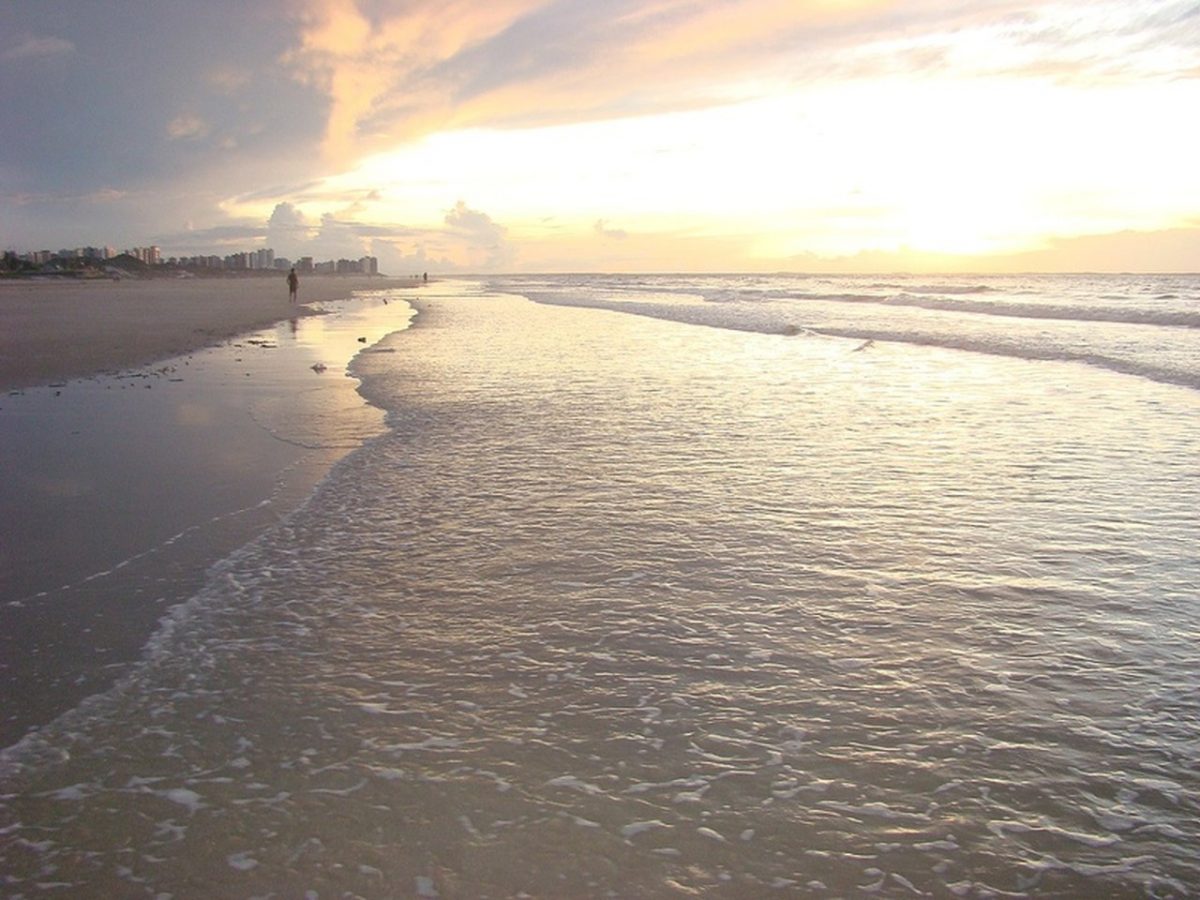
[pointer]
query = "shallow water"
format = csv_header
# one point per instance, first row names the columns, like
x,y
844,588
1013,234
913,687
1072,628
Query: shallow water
x,y
627,607
121,490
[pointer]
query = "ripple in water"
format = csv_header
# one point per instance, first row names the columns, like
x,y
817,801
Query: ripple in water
x,y
632,608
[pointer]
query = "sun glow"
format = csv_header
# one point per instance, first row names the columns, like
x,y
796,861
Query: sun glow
x,y
904,165
661,134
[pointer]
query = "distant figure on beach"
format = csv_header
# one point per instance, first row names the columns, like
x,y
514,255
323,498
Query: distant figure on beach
x,y
425,277
293,285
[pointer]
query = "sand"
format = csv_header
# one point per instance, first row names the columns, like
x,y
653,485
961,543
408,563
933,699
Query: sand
x,y
120,490
56,331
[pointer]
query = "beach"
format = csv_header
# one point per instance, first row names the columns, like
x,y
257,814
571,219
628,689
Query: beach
x,y
147,430
55,330
668,586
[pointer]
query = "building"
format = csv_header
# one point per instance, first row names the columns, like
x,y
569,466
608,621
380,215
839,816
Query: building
x,y
261,260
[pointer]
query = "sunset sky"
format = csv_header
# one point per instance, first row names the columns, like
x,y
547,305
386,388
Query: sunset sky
x,y
609,135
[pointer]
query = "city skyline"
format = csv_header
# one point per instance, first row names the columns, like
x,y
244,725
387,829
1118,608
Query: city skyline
x,y
640,135
262,259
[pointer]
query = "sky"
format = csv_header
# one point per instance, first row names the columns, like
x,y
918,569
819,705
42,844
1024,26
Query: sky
x,y
609,135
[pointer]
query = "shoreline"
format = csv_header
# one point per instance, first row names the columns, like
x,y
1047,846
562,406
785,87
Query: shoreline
x,y
125,488
57,332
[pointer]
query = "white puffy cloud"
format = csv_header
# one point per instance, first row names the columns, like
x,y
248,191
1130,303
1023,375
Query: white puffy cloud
x,y
288,230
485,239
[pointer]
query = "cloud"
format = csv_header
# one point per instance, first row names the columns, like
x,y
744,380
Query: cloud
x,y
1107,42
175,98
1167,250
188,118
187,127
209,240
395,70
104,195
230,80
99,196
478,225
411,68
364,64
340,238
277,192
286,217
38,48
601,228
289,231
485,238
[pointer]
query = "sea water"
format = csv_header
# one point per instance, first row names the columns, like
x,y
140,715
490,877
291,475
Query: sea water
x,y
121,489
685,586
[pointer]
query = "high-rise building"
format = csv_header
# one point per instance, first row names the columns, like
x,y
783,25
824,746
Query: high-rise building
x,y
151,256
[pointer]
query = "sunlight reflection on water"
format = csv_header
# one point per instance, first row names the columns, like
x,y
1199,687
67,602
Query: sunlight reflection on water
x,y
635,608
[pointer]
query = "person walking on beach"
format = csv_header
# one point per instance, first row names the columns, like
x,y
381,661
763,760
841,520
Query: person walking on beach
x,y
293,285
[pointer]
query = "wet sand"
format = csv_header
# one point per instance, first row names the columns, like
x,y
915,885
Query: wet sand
x,y
58,330
124,486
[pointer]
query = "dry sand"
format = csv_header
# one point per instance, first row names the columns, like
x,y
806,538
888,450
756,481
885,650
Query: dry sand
x,y
55,331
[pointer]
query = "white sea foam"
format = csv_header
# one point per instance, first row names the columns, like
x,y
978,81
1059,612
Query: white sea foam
x,y
633,829
1137,325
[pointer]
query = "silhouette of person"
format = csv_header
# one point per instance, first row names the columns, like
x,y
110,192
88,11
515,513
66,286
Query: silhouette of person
x,y
293,285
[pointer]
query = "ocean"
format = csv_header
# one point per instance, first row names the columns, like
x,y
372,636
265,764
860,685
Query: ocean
x,y
658,586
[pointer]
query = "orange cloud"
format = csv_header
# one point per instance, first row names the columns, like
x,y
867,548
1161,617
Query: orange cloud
x,y
749,24
336,28
369,67
406,69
